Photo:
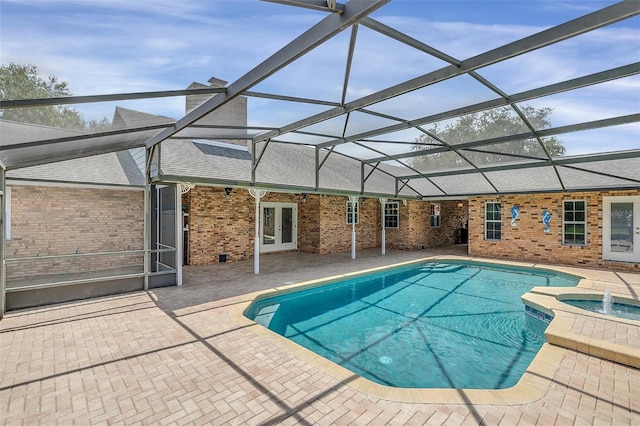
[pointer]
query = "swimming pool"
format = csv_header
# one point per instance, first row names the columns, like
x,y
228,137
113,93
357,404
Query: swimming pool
x,y
429,325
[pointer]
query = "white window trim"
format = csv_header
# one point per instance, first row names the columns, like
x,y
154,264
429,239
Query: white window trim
x,y
486,221
565,222
397,209
357,204
432,215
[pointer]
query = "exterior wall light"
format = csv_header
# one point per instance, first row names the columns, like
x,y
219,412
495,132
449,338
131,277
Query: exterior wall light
x,y
227,193
304,197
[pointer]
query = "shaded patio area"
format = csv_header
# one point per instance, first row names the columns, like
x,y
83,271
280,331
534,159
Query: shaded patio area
x,y
174,355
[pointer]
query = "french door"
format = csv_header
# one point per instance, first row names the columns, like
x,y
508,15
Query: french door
x,y
278,227
621,229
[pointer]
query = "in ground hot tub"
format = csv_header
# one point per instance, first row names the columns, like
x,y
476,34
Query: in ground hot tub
x,y
626,309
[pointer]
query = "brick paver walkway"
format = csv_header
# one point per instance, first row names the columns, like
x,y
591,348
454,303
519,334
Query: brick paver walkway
x,y
174,356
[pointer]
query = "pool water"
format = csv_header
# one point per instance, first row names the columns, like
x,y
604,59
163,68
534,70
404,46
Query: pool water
x,y
619,310
430,325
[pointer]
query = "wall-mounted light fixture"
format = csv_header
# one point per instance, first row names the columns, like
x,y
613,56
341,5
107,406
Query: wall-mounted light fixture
x,y
227,193
460,204
304,197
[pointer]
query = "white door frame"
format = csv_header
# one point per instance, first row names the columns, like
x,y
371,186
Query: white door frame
x,y
278,245
623,252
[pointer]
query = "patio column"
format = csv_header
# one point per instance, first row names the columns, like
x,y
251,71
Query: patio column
x,y
383,201
353,199
257,194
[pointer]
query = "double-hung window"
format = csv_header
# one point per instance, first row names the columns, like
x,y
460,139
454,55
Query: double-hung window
x,y
493,221
352,211
391,214
434,212
574,222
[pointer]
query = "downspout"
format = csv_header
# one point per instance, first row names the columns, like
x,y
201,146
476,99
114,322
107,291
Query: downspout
x,y
383,201
353,199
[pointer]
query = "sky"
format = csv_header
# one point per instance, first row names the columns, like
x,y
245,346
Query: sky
x,y
120,46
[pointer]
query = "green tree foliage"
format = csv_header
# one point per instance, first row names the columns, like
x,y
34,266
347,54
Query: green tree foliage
x,y
23,82
484,125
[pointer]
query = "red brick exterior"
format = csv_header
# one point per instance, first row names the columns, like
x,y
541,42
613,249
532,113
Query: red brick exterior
x,y
218,226
48,221
221,226
335,233
56,220
528,242
414,230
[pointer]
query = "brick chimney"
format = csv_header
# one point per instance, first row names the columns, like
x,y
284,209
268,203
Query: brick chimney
x,y
233,113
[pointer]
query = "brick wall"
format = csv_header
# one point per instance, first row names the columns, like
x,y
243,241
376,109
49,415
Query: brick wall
x,y
49,221
422,234
335,233
219,226
528,242
415,231
398,238
309,224
225,226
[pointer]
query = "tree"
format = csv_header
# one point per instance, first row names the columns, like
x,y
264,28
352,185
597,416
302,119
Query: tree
x,y
487,125
23,82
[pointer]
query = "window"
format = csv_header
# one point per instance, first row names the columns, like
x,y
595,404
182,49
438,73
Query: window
x,y
391,215
574,222
493,221
352,207
435,214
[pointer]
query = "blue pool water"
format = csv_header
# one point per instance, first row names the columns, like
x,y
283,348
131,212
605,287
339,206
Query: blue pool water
x,y
619,310
431,325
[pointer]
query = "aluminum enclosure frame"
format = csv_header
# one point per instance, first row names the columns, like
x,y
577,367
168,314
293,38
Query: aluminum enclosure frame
x,y
397,168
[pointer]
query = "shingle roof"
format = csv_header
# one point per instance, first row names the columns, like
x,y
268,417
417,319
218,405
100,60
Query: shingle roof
x,y
115,168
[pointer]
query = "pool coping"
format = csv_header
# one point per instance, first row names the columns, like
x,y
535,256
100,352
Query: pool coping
x,y
533,384
560,331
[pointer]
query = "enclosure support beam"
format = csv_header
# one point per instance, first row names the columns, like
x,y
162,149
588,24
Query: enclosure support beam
x,y
257,194
310,39
3,263
581,25
147,219
179,224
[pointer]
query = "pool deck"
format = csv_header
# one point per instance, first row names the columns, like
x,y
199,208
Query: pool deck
x,y
181,355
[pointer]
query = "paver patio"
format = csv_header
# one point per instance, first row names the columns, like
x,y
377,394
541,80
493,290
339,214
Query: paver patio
x,y
175,356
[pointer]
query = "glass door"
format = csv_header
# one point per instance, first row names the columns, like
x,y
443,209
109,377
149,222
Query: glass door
x,y
621,229
278,223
